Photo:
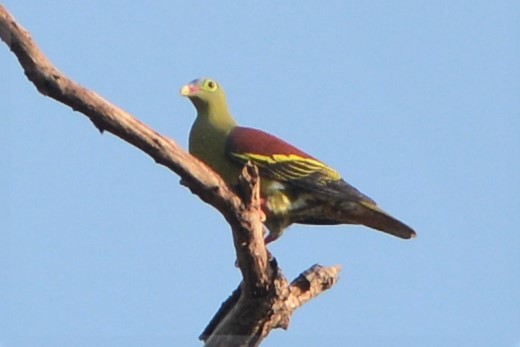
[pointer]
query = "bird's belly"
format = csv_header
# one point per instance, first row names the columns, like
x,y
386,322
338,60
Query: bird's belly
x,y
280,201
274,195
285,205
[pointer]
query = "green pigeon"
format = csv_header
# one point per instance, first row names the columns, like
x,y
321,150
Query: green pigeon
x,y
295,187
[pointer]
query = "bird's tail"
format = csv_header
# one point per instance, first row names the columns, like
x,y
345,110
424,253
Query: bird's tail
x,y
360,211
372,216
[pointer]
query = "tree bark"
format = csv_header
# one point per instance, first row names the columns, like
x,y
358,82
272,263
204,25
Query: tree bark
x,y
264,300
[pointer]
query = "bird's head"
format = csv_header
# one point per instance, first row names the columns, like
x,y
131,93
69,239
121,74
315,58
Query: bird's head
x,y
206,94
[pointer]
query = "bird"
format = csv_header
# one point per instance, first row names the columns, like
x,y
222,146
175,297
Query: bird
x,y
295,187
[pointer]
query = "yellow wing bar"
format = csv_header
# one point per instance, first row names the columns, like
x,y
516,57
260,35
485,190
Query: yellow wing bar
x,y
291,167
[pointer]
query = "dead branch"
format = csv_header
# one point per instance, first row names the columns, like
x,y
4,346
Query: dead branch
x,y
264,299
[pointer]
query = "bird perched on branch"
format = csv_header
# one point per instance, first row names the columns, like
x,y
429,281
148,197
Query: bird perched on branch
x,y
294,186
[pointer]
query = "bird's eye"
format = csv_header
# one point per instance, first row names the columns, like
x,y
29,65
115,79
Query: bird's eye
x,y
211,85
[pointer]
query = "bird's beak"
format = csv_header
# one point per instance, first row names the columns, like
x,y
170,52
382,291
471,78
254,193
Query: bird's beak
x,y
189,90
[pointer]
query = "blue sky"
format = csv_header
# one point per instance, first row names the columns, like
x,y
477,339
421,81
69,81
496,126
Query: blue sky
x,y
416,103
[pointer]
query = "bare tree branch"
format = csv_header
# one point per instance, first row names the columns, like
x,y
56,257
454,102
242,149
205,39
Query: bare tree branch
x,y
264,300
268,312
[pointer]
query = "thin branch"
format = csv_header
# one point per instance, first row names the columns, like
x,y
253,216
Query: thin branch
x,y
310,284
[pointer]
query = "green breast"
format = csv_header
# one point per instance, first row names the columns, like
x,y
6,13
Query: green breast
x,y
207,143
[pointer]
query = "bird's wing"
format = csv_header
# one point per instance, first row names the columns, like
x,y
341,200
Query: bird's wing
x,y
278,160
339,201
